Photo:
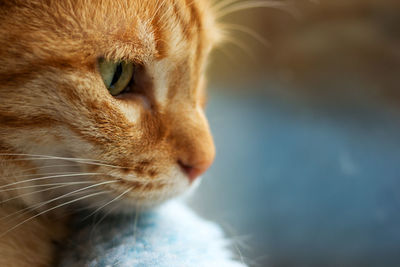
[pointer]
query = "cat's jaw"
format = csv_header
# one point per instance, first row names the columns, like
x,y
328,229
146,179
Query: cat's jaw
x,y
122,200
132,205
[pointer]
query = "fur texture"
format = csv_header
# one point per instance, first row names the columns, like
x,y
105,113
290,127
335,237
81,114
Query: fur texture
x,y
65,140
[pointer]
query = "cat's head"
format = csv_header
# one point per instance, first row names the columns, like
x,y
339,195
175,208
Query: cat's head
x,y
116,86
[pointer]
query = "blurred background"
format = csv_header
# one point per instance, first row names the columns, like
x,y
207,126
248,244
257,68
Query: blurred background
x,y
307,129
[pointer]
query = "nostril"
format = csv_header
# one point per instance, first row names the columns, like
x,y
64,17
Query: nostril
x,y
190,171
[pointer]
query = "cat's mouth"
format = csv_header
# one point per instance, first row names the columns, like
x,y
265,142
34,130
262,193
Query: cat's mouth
x,y
96,183
130,190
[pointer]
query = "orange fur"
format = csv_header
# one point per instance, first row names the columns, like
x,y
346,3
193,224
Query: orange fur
x,y
53,102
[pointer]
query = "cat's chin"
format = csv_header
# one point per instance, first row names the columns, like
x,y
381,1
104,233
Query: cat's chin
x,y
132,205
128,206
121,201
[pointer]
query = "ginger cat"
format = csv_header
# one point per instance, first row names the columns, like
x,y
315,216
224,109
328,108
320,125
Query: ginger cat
x,y
101,106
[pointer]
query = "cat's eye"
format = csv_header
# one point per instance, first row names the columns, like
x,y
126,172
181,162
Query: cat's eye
x,y
116,75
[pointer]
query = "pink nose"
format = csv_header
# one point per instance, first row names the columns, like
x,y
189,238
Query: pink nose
x,y
194,171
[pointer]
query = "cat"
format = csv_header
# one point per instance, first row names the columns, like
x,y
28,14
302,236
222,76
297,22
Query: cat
x,y
101,106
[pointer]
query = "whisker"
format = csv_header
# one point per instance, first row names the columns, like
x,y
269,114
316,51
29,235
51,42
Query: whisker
x,y
130,179
50,209
45,156
108,203
59,185
56,198
245,5
225,53
45,185
49,177
220,5
103,164
49,166
21,212
247,31
65,159
75,191
25,159
92,231
235,241
241,46
82,161
48,157
38,174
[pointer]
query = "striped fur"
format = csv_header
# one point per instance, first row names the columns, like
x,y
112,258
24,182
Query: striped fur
x,y
56,116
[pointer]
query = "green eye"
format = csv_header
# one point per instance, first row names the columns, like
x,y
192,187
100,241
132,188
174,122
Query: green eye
x,y
116,75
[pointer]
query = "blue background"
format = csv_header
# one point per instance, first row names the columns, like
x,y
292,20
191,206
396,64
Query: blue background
x,y
299,183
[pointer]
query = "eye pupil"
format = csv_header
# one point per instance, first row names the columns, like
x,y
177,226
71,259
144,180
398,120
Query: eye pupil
x,y
117,75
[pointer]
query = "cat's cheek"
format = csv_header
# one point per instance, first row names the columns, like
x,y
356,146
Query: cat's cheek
x,y
131,112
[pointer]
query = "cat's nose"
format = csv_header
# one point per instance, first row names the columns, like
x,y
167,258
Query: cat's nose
x,y
194,170
193,145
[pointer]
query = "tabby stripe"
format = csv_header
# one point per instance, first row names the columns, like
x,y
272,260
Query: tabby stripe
x,y
181,20
161,47
194,14
17,78
175,80
12,154
196,18
37,121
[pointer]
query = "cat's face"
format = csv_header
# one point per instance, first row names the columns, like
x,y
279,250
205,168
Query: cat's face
x,y
153,138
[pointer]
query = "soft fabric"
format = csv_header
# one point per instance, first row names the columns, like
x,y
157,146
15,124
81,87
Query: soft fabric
x,y
171,235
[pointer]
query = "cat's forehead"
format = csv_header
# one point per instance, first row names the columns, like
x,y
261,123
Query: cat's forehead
x,y
137,30
158,29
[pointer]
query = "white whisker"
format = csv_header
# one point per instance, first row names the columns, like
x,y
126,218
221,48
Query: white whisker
x,y
108,203
50,209
45,156
48,157
99,221
58,185
38,174
241,46
49,166
281,5
64,159
222,4
75,191
45,185
246,30
225,53
49,177
57,198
